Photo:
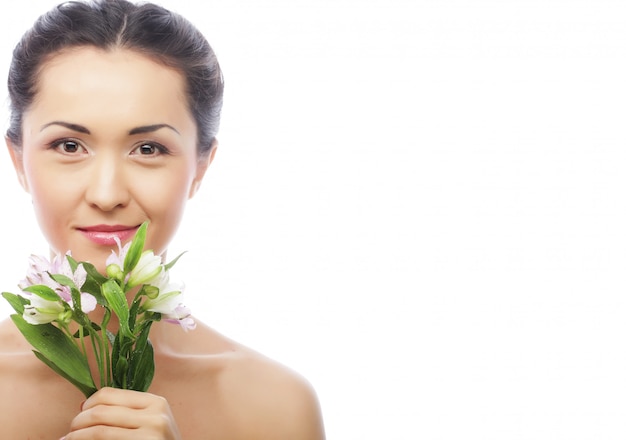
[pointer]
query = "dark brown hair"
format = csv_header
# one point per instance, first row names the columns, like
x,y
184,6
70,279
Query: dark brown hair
x,y
145,28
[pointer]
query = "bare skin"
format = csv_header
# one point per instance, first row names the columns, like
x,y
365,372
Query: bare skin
x,y
206,387
116,125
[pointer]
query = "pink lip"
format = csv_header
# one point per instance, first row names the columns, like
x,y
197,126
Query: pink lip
x,y
105,234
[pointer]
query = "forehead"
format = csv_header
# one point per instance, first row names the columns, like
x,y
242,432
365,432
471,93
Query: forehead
x,y
87,84
88,66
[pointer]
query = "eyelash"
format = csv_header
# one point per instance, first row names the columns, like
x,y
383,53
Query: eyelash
x,y
60,142
158,148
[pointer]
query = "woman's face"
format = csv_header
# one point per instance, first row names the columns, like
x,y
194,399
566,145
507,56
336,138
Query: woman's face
x,y
107,144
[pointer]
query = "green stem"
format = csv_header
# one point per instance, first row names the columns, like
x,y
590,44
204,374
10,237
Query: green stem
x,y
81,333
134,309
105,346
66,330
96,344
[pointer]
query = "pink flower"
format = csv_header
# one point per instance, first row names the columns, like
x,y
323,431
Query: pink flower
x,y
182,317
118,258
39,274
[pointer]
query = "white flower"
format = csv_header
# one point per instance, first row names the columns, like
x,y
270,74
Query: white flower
x,y
168,298
146,270
41,311
169,302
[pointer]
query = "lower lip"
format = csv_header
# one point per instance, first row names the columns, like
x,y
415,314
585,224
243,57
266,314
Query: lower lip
x,y
108,238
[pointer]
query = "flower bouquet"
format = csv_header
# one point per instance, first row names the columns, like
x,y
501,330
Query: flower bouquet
x,y
56,297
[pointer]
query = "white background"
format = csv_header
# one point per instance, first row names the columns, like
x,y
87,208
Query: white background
x,y
418,205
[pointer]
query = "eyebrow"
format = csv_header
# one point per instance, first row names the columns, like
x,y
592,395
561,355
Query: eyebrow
x,y
74,127
136,130
150,128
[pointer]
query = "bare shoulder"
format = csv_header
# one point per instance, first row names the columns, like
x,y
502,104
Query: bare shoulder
x,y
280,403
260,397
28,386
11,340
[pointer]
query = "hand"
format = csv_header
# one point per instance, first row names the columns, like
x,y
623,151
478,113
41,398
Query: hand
x,y
122,414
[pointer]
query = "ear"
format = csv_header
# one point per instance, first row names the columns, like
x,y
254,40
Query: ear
x,y
203,164
18,162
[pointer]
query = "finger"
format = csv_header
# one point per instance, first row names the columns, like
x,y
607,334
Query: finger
x,y
118,397
109,415
107,432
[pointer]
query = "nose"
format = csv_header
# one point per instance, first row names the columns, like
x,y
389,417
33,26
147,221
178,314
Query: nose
x,y
107,184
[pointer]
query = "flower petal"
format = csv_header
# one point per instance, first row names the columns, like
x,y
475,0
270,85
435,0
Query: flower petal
x,y
118,258
88,302
147,269
41,311
80,276
165,303
35,317
186,323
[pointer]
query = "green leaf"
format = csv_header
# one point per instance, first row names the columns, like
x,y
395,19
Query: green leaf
x,y
79,315
134,309
169,265
86,331
93,283
63,280
115,350
16,301
85,389
136,248
110,337
93,273
116,298
142,371
44,292
59,349
73,263
120,372
141,368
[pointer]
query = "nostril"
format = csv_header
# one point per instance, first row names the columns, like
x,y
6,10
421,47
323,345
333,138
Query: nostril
x,y
107,189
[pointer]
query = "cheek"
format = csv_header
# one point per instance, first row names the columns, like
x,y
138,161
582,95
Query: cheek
x,y
50,194
163,201
54,201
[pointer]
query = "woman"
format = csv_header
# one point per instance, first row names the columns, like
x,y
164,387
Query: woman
x,y
115,109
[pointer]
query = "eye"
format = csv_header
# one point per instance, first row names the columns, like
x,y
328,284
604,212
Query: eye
x,y
149,149
68,146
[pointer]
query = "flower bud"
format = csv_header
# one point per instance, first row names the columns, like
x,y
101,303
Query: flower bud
x,y
65,317
115,272
151,291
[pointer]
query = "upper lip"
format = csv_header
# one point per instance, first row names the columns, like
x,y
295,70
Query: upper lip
x,y
106,228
